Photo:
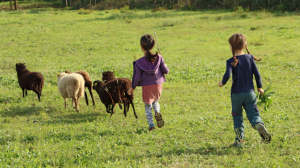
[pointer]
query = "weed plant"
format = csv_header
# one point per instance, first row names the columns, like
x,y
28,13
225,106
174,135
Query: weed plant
x,y
265,98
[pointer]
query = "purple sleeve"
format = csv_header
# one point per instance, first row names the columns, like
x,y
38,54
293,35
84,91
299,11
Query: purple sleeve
x,y
164,69
227,73
136,75
256,74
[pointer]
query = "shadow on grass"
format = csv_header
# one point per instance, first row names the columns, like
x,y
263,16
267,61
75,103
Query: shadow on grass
x,y
204,151
75,118
21,111
132,15
55,136
72,117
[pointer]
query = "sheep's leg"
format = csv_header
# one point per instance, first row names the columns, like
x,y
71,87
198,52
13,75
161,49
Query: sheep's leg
x,y
39,96
113,106
37,92
23,92
127,105
91,93
65,102
112,110
76,105
73,103
133,108
77,102
40,89
86,98
107,108
125,108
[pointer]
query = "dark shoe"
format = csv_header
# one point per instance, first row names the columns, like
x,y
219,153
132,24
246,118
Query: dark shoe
x,y
238,144
159,121
265,135
151,128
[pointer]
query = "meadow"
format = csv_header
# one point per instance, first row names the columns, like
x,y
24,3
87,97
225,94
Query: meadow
x,y
198,129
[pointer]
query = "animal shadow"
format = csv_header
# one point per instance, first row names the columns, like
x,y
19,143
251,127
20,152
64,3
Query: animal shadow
x,y
75,118
21,111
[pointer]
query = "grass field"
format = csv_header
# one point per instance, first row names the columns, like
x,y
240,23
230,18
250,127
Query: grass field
x,y
199,129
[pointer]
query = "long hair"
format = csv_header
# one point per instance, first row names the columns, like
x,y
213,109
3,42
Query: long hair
x,y
238,42
148,42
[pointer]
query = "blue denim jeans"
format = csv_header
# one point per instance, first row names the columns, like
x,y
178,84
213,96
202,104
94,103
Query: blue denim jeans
x,y
248,101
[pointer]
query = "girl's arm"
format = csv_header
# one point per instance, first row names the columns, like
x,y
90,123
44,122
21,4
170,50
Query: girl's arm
x,y
163,67
226,75
135,78
257,77
136,75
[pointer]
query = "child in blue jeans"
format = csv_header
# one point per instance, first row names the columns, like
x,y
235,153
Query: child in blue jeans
x,y
242,66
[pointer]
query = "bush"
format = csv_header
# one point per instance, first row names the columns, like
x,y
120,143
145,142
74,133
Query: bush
x,y
239,10
82,11
124,9
157,9
280,7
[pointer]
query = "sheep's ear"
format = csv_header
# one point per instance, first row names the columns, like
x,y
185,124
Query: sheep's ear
x,y
18,64
58,74
23,63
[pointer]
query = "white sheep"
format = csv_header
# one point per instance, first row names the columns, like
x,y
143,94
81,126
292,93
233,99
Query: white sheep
x,y
71,86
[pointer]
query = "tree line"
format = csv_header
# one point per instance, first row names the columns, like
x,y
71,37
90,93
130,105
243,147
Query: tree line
x,y
278,5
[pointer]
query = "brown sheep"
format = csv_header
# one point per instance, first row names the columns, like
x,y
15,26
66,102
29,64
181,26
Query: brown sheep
x,y
88,84
107,76
29,80
115,91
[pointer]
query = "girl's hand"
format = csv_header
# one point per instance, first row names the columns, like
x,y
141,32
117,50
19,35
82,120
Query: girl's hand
x,y
130,91
221,84
260,91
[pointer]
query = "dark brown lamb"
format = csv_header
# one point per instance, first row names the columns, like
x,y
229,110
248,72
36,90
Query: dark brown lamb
x,y
107,76
115,91
29,80
88,84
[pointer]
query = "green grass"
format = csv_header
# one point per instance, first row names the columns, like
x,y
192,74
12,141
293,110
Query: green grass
x,y
198,127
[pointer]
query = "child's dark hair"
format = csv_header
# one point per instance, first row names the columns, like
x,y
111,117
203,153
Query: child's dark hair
x,y
238,42
148,42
